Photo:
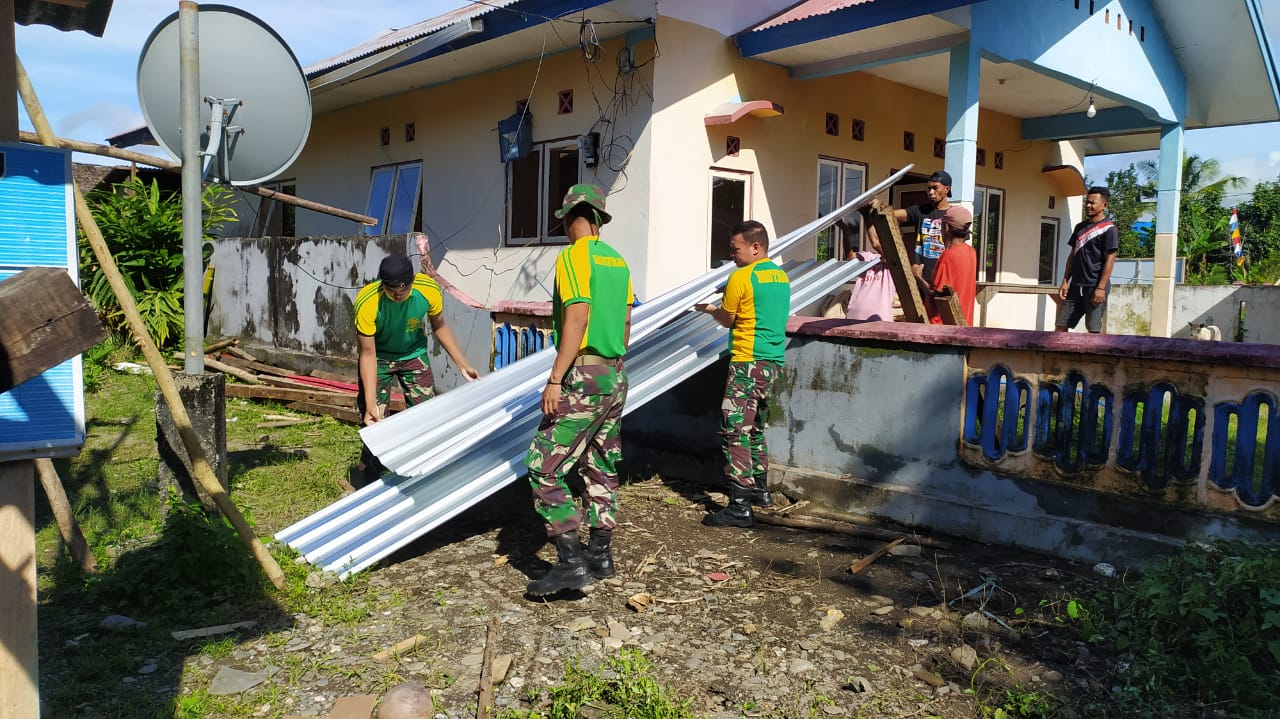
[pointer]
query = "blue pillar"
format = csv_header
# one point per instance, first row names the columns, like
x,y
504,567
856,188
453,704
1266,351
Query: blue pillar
x,y
962,121
1168,198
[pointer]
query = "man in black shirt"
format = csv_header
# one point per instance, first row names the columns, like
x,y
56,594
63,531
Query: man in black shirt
x,y
927,218
1088,275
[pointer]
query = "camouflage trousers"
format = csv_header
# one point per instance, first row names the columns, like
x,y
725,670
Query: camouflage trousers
x,y
585,432
744,412
416,383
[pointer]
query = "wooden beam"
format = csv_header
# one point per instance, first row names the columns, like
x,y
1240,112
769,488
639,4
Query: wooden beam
x,y
289,394
46,320
949,307
898,259
344,414
8,75
66,519
19,690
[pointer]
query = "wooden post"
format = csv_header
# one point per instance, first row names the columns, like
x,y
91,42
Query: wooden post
x,y
19,689
164,379
895,255
949,307
8,76
67,525
46,320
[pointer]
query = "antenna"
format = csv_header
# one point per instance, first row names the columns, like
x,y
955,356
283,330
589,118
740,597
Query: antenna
x,y
256,108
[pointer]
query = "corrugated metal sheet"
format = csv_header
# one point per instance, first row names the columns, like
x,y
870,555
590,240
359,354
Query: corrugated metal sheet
x,y
395,38
455,450
807,9
92,18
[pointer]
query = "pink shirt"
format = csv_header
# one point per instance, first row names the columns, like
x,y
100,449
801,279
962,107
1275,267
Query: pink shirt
x,y
872,294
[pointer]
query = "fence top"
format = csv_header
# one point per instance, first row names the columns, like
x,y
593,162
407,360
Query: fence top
x,y
1238,354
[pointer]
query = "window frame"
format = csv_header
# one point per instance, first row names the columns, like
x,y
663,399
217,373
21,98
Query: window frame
x,y
840,165
265,219
389,204
1057,242
980,238
748,210
546,205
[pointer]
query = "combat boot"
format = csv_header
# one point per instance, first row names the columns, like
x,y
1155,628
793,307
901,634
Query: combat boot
x,y
569,573
599,558
737,513
760,495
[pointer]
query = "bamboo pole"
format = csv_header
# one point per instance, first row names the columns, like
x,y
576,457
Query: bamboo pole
x,y
164,380
66,519
91,148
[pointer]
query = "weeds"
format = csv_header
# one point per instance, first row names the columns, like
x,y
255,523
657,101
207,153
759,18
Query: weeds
x,y
625,684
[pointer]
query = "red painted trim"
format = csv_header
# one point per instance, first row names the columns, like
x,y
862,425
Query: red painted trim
x,y
731,112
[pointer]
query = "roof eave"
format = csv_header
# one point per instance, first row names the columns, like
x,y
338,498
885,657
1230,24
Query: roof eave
x,y
753,43
1264,45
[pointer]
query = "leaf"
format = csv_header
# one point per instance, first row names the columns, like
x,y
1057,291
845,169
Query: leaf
x,y
1274,648
1073,609
1270,596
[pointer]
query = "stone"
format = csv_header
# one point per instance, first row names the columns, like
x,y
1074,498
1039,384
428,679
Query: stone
x,y
799,666
810,644
859,685
918,643
1053,676
1102,569
360,707
321,580
933,679
613,644
472,660
120,623
905,550
578,624
975,622
748,628
406,701
234,681
831,619
619,631
919,576
879,600
501,665
965,656
921,611
881,611
147,669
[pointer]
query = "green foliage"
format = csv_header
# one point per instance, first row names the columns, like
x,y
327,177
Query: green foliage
x,y
142,227
1203,627
1126,207
624,688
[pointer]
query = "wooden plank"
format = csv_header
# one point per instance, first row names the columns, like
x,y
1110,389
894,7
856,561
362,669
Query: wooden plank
x,y
254,366
288,393
19,691
233,371
241,353
332,376
63,515
866,561
344,414
46,321
898,259
949,307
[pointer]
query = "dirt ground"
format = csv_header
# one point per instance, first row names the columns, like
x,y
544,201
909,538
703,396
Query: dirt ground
x,y
762,622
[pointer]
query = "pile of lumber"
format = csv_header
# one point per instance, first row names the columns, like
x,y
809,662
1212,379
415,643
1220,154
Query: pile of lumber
x,y
317,391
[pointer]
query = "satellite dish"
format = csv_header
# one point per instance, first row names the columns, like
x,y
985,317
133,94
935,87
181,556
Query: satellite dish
x,y
257,108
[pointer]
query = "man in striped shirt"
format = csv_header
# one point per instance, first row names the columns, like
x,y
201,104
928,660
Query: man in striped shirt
x,y
756,304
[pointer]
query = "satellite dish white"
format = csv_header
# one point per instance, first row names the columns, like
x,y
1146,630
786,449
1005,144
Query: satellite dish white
x,y
257,110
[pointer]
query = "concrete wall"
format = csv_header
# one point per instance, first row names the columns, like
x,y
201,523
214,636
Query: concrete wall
x,y
870,419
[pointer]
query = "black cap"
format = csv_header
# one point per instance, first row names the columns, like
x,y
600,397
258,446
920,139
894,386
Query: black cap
x,y
942,177
396,268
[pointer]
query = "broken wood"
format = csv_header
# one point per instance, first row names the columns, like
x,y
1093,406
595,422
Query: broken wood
x,y
344,414
486,671
171,166
220,345
287,423
46,321
241,353
236,372
948,306
832,525
898,259
255,366
200,466
332,376
288,393
66,519
402,647
185,634
866,561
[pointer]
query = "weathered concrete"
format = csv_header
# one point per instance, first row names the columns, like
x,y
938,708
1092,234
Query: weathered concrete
x,y
205,399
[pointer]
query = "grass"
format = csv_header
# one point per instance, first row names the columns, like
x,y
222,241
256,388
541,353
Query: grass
x,y
174,566
624,686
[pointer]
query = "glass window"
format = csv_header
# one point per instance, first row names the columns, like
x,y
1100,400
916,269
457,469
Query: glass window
x,y
276,218
838,182
379,198
1048,265
522,200
988,210
730,195
394,193
536,185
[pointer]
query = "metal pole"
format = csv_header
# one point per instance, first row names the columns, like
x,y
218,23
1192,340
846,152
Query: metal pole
x,y
192,206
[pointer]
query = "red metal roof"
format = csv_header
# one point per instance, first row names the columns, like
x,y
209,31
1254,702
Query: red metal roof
x,y
807,9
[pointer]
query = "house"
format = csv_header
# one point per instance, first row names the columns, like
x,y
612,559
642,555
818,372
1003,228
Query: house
x,y
696,115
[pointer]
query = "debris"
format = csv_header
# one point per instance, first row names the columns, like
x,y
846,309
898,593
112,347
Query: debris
x,y
906,550
185,634
399,648
640,601
502,665
353,707
407,701
1105,570
485,690
933,679
965,656
748,629
119,623
858,685
719,577
975,622
832,618
233,681
866,561
578,624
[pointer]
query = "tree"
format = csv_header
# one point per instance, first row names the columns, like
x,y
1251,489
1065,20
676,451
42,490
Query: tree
x,y
1125,207
1202,219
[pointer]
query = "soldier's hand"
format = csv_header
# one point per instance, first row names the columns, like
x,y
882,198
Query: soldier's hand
x,y
469,373
370,416
702,307
550,399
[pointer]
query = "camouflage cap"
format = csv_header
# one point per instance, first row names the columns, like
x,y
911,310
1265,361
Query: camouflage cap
x,y
580,193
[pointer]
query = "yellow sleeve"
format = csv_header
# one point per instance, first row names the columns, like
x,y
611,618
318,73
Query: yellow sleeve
x,y
367,309
429,289
735,291
573,274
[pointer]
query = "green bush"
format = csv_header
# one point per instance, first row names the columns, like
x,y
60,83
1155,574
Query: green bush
x,y
142,227
1203,628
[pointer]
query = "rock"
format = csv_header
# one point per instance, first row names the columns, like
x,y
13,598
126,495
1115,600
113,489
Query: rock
x,y
619,631
120,623
799,666
612,644
877,600
917,643
919,576
922,611
406,701
795,601
832,618
1102,569
501,665
1051,573
905,550
881,611
810,644
321,580
1053,676
233,681
933,679
858,685
639,601
147,669
965,656
578,624
975,622
748,628
129,680
472,660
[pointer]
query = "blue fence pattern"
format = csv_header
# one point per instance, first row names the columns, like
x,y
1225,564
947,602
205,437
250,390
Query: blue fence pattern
x,y
997,425
1068,434
1168,436
1234,464
511,343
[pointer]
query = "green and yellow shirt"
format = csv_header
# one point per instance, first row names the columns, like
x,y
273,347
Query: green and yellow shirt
x,y
759,297
397,327
593,272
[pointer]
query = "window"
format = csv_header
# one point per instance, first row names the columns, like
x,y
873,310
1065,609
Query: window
x,y
275,218
838,182
536,185
730,204
394,197
988,213
1048,266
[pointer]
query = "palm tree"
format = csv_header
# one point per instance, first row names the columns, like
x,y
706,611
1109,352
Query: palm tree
x,y
1202,220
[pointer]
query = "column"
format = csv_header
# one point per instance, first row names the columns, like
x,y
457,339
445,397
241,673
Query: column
x,y
1168,196
962,122
8,76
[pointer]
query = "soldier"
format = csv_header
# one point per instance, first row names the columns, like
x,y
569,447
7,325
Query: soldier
x,y
392,341
757,301
582,402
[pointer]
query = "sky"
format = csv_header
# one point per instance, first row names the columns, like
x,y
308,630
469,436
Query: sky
x,y
88,88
